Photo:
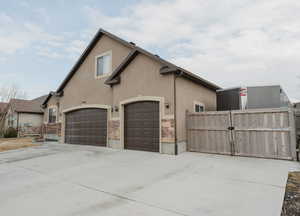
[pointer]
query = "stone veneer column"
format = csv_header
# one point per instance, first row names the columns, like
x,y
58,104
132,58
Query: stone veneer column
x,y
114,134
167,136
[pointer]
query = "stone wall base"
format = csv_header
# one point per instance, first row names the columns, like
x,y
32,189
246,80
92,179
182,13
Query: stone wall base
x,y
181,147
52,137
29,131
52,132
169,148
115,144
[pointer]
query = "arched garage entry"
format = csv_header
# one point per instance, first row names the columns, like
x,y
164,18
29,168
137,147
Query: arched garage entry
x,y
86,126
141,126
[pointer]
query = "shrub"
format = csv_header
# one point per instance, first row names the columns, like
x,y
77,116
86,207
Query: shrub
x,y
10,133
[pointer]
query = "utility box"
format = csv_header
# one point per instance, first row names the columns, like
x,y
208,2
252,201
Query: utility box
x,y
253,97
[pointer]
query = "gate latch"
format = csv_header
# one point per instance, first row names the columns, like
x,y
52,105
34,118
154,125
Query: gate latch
x,y
230,128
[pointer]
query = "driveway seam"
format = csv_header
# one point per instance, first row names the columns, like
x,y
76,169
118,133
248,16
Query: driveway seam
x,y
105,192
258,183
128,199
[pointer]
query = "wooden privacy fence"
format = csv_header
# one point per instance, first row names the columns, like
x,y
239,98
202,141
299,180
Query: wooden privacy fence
x,y
267,133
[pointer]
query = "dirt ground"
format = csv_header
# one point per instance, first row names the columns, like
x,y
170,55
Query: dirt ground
x,y
15,143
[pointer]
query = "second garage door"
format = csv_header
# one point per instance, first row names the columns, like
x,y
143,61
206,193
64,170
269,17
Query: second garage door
x,y
86,127
141,130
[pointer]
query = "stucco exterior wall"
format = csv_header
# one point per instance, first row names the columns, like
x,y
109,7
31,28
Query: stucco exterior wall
x,y
53,102
142,78
52,131
35,120
187,93
30,124
84,88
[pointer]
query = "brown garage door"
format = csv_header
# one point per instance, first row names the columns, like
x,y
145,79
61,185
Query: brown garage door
x,y
142,126
86,127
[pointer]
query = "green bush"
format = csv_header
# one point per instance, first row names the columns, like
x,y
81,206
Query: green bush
x,y
10,133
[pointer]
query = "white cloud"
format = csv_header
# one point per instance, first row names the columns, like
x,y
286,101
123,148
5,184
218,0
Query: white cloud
x,y
16,36
76,46
235,42
24,4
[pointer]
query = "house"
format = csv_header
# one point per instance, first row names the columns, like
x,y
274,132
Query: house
x,y
26,116
252,97
121,96
3,106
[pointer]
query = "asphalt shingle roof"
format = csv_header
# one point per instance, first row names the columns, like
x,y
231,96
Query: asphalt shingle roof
x,y
31,106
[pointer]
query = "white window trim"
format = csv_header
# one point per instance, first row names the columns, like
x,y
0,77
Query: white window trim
x,y
198,103
110,65
56,120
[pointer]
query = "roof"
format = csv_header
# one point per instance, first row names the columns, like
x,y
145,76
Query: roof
x,y
48,96
3,105
28,106
239,87
135,51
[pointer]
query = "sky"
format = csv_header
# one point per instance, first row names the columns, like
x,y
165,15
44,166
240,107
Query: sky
x,y
230,42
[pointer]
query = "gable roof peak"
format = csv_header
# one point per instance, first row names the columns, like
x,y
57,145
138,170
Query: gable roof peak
x,y
135,50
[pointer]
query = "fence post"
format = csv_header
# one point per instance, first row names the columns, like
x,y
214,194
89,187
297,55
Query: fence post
x,y
231,136
187,129
292,133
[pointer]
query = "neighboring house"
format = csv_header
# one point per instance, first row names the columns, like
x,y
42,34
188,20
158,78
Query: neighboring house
x,y
26,116
3,109
3,106
252,97
121,96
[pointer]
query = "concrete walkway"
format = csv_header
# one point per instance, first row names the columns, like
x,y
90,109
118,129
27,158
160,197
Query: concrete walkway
x,y
57,179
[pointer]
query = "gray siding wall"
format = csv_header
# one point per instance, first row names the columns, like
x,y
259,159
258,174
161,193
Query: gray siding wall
x,y
263,97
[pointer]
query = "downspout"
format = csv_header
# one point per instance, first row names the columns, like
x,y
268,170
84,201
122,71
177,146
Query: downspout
x,y
176,74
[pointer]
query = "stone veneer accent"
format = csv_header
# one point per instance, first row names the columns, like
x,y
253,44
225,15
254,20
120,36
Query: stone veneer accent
x,y
167,131
114,129
28,130
52,131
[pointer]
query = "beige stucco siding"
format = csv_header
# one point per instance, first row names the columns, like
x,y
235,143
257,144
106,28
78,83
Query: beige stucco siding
x,y
142,78
83,86
33,120
187,93
53,101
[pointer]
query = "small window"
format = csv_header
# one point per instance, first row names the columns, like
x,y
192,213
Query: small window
x,y
199,108
52,115
103,65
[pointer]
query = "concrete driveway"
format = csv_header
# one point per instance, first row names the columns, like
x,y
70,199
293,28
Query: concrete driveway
x,y
57,179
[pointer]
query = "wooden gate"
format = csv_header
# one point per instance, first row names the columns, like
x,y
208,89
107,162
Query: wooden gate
x,y
267,133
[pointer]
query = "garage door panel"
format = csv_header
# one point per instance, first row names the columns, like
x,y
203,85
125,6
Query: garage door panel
x,y
142,126
86,127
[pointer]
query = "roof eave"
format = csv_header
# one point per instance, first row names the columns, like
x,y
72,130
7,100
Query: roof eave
x,y
126,62
114,77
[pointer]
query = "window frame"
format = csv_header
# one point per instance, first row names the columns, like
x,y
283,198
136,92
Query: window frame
x,y
110,65
199,104
56,116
